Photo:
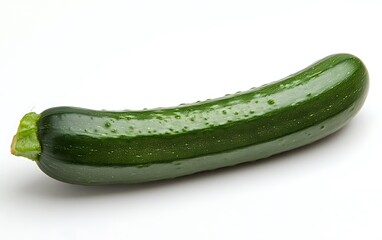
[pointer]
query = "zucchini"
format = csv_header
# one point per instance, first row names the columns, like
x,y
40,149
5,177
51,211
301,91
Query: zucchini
x,y
83,146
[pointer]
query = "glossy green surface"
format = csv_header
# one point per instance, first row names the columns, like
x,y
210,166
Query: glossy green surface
x,y
101,147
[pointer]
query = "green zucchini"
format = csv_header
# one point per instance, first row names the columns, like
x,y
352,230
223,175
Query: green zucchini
x,y
90,147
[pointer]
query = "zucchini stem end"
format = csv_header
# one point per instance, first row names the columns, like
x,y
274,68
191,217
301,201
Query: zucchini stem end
x,y
25,143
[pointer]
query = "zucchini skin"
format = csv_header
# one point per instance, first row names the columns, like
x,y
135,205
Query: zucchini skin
x,y
89,147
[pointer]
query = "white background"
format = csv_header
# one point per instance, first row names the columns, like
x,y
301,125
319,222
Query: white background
x,y
134,54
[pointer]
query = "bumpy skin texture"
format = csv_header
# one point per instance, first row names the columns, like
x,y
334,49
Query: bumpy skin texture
x,y
85,146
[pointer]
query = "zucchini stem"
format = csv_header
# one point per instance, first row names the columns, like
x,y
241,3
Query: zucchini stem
x,y
25,143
